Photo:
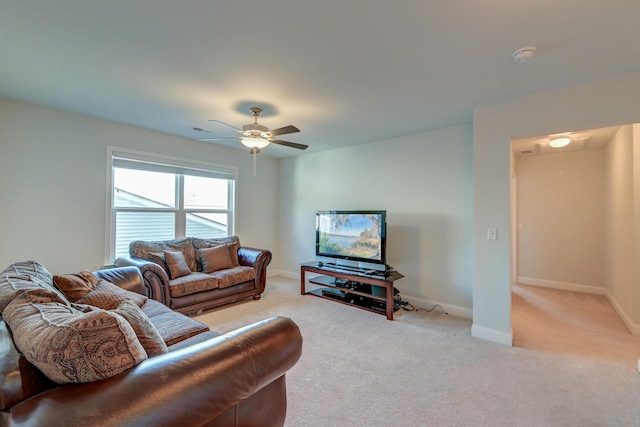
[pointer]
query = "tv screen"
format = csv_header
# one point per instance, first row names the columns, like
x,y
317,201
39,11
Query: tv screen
x,y
352,235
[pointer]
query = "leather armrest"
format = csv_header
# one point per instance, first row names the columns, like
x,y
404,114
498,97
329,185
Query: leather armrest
x,y
155,279
259,259
190,386
128,278
249,256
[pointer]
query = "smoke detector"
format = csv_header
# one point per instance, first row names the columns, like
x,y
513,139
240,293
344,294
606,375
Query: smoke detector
x,y
524,54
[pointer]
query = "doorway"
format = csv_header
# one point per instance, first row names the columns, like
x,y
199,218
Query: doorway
x,y
565,292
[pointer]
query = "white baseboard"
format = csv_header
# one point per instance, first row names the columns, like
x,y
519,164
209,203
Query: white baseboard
x,y
282,273
493,335
427,304
565,286
634,328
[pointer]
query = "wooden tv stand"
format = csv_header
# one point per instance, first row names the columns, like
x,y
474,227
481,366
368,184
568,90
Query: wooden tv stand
x,y
351,286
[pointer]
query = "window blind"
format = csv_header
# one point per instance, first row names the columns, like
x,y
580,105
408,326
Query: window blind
x,y
155,164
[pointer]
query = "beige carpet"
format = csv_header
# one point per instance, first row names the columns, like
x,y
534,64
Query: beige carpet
x,y
571,323
359,369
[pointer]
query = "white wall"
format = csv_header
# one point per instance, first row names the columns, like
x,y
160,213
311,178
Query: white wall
x,y
424,183
635,315
597,104
619,218
53,185
560,205
623,225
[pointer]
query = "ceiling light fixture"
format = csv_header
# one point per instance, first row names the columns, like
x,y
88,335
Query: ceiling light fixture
x,y
560,142
524,54
254,142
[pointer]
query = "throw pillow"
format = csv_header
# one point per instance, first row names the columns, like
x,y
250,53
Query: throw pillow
x,y
107,296
233,252
141,249
23,276
69,346
147,334
232,241
177,264
215,258
75,286
158,258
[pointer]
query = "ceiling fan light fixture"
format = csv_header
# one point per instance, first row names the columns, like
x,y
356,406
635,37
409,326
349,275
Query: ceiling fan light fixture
x,y
254,142
560,142
256,136
254,128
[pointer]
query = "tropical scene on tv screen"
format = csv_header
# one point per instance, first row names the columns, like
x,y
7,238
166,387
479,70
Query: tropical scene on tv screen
x,y
352,235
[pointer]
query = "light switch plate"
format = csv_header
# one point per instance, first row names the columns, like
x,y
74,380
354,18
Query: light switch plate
x,y
492,233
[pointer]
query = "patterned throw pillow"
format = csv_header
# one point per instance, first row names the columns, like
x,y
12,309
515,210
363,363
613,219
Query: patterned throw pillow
x,y
176,264
141,249
23,276
75,286
215,258
232,241
145,331
70,346
107,296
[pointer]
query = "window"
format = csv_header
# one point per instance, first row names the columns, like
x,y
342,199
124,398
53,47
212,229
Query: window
x,y
160,198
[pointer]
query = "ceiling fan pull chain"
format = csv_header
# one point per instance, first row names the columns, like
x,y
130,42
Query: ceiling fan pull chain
x,y
254,154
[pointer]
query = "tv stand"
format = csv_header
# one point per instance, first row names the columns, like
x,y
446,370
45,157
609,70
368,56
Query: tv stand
x,y
369,290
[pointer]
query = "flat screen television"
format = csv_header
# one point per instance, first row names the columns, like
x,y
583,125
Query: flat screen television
x,y
352,235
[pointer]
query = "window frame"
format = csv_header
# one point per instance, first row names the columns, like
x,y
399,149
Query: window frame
x,y
181,167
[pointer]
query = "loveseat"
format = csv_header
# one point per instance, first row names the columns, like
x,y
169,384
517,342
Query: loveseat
x,y
193,274
198,377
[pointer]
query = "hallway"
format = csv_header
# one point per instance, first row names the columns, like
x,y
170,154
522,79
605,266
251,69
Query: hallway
x,y
572,323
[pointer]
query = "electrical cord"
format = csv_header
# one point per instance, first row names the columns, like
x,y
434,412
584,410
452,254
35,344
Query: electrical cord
x,y
406,306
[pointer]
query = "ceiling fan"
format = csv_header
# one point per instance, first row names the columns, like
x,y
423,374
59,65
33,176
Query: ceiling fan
x,y
256,136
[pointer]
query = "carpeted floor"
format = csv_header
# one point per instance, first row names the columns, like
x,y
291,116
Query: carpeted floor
x,y
571,323
424,369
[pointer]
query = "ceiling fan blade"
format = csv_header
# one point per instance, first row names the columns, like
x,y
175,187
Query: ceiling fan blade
x,y
288,144
227,124
283,130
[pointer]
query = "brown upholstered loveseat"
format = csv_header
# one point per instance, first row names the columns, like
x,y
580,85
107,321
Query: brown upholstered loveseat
x,y
201,285
204,379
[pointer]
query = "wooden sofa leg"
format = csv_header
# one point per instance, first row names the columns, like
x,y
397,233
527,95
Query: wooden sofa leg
x,y
256,297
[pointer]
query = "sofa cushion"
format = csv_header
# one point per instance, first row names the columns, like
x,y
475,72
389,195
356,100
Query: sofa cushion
x,y
215,258
172,326
70,346
75,286
22,276
191,284
233,241
233,276
108,296
141,249
147,334
176,264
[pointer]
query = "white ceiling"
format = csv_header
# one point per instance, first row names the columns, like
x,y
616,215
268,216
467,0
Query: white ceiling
x,y
344,72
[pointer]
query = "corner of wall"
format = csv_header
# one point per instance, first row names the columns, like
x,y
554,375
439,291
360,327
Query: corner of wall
x,y
493,335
